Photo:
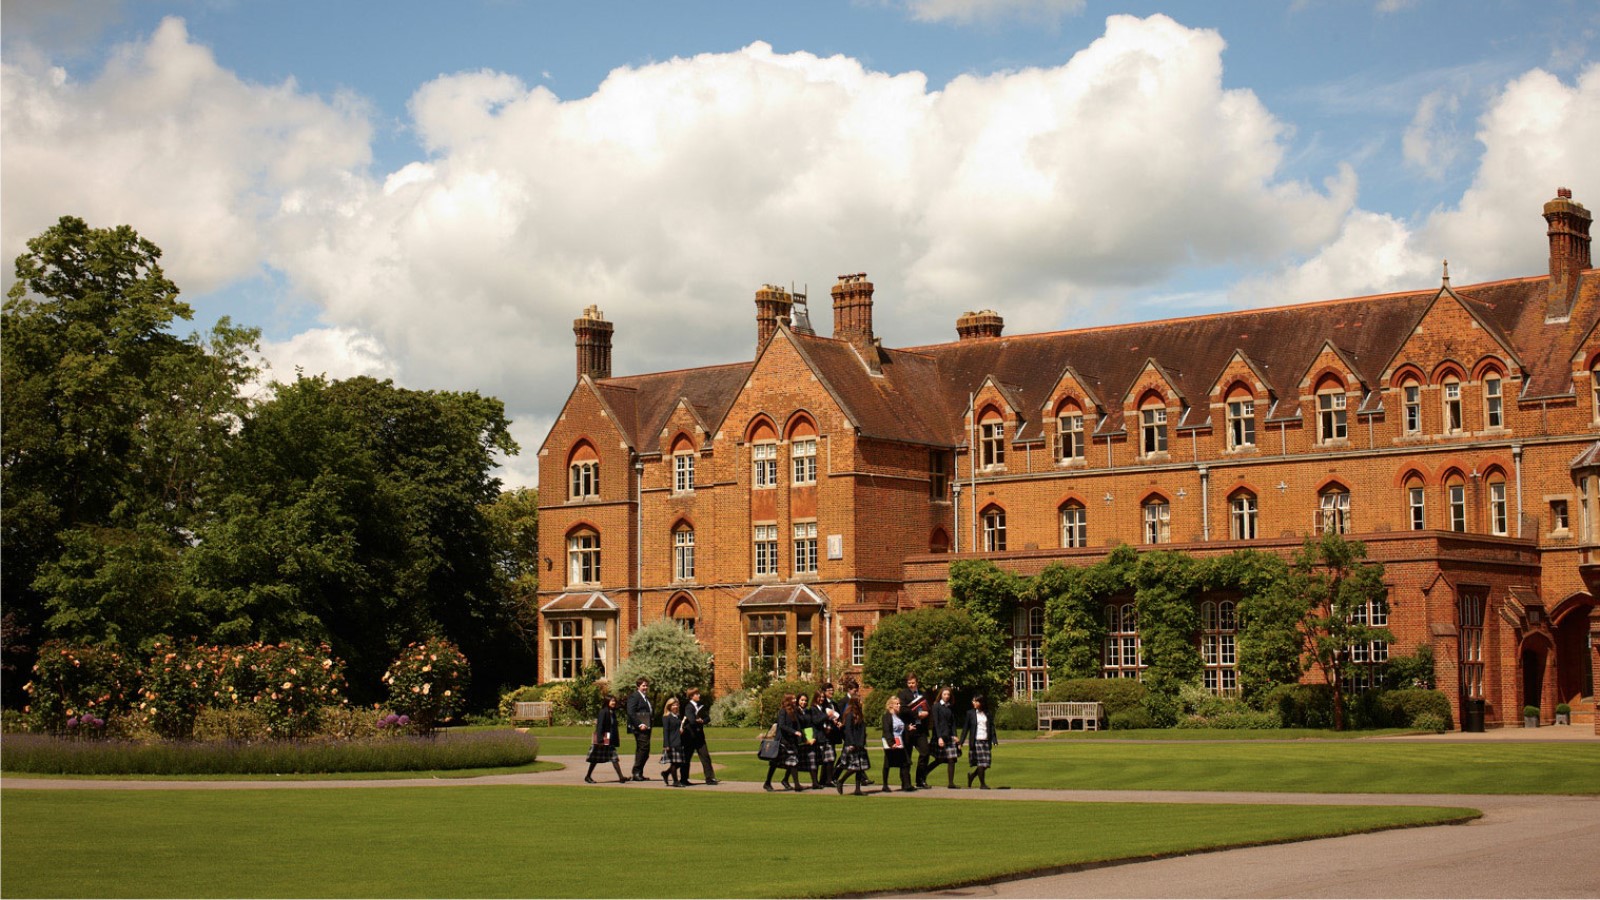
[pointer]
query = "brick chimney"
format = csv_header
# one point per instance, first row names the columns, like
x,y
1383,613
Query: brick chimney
x,y
852,317
985,323
1569,251
594,343
773,305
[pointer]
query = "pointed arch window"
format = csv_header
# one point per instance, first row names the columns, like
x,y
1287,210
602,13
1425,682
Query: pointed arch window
x,y
1243,516
994,529
1455,497
1451,400
1074,525
683,553
992,440
1494,415
583,557
1411,400
1499,509
1333,510
1157,521
1332,419
583,471
1153,430
1416,504
1069,434
1241,421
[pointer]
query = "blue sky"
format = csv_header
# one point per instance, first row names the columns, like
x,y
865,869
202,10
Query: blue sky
x,y
431,192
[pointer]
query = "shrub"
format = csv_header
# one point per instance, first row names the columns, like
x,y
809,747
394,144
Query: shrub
x,y
1530,712
1017,715
769,700
1239,716
562,711
240,725
584,692
532,693
348,723
1414,671
1115,694
942,647
872,706
1300,705
735,710
669,656
1130,718
38,754
296,683
1430,722
70,681
1563,709
428,682
177,682
1400,709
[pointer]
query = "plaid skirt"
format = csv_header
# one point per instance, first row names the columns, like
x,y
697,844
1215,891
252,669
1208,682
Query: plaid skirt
x,y
982,755
674,756
788,757
810,760
826,752
855,759
950,752
601,753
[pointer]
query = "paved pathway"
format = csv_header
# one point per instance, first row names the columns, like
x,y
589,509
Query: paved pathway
x,y
1524,846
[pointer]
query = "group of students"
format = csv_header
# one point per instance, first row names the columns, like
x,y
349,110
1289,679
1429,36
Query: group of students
x,y
825,737
683,728
821,735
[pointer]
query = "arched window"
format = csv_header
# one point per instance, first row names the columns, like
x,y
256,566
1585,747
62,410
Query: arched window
x,y
1242,519
1416,504
1122,642
583,557
1028,673
763,455
994,529
1411,401
1157,521
1333,510
683,552
1455,496
1499,512
1074,525
683,463
1450,398
1218,632
1594,391
1241,419
683,614
1069,433
939,541
1494,415
583,467
1152,428
1332,420
992,439
803,453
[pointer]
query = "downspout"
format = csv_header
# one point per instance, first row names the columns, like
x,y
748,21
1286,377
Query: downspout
x,y
972,462
1516,459
1205,503
955,513
638,542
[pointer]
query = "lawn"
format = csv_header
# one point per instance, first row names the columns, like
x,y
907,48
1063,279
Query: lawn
x,y
510,841
1320,766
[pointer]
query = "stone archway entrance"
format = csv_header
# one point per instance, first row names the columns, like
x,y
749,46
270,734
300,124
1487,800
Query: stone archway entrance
x,y
1572,630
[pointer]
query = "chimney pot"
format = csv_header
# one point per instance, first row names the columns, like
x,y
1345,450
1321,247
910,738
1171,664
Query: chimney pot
x,y
1568,231
852,316
985,323
773,305
593,340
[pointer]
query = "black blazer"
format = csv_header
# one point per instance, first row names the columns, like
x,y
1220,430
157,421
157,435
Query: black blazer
x,y
909,716
639,711
969,731
944,722
854,735
605,724
694,727
789,729
888,729
672,730
832,728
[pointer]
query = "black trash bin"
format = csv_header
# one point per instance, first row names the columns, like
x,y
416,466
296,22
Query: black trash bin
x,y
1472,716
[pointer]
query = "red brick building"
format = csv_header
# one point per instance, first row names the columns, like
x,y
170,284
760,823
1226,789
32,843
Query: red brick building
x,y
781,507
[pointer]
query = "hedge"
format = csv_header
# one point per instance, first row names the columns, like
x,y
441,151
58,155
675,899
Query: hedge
x,y
1017,715
1115,694
1403,708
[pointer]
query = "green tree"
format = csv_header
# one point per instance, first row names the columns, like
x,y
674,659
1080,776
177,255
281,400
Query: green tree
x,y
942,647
669,656
1328,582
514,524
114,426
356,515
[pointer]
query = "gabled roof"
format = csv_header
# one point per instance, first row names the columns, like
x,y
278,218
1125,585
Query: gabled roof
x,y
642,404
593,601
1341,355
784,595
1240,355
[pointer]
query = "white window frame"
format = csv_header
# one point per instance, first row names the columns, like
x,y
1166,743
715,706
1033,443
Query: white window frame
x,y
994,530
1411,392
1153,431
1219,629
1560,515
583,558
683,554
803,460
1456,504
584,480
1333,422
992,442
1417,504
683,473
1499,515
1241,424
805,548
1029,673
1123,656
1244,516
1450,403
1074,525
1493,401
858,646
764,465
1157,522
765,540
1333,512
1069,437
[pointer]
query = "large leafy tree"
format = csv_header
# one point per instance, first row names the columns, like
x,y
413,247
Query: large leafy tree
x,y
942,647
114,425
355,514
514,519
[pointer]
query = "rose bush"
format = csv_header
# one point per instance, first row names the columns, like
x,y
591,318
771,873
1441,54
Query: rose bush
x,y
427,683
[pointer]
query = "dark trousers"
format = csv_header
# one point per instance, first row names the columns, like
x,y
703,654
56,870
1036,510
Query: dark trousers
x,y
705,760
924,753
641,751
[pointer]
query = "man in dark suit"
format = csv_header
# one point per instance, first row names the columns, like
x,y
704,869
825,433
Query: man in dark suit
x,y
640,713
914,710
695,718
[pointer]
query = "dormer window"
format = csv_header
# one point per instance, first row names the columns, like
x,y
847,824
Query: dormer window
x,y
682,472
1493,402
1332,421
1153,430
1411,398
1069,436
1452,407
992,441
1241,424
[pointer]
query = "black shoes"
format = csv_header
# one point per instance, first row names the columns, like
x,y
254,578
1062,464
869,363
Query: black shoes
x,y
589,779
711,781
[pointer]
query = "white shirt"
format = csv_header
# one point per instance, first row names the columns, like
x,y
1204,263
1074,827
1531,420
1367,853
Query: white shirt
x,y
983,727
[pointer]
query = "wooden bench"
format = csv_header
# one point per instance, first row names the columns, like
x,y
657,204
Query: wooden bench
x,y
1076,716
535,711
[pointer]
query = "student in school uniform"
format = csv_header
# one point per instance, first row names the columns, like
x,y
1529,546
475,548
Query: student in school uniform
x,y
853,732
831,715
915,712
695,717
809,721
979,735
789,739
604,748
896,751
640,715
946,749
852,693
673,756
